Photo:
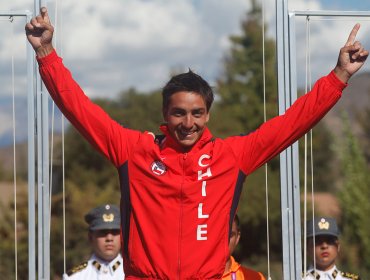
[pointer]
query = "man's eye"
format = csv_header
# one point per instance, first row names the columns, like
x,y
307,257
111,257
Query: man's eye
x,y
197,114
177,113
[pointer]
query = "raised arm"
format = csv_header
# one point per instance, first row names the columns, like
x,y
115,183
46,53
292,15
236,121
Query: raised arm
x,y
277,134
105,134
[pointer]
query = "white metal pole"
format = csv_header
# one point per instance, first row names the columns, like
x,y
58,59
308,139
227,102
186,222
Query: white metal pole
x,y
289,166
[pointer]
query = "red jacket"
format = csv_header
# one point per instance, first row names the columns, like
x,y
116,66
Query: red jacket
x,y
177,208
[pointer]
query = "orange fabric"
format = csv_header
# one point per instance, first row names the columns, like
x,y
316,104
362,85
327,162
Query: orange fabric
x,y
241,272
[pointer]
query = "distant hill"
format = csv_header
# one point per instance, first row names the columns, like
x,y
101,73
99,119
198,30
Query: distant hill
x,y
7,156
356,97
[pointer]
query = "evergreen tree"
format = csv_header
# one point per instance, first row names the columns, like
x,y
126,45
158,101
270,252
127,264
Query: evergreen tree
x,y
240,90
354,200
363,118
8,249
324,166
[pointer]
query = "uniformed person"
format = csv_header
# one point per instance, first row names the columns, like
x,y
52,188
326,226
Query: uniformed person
x,y
104,236
323,248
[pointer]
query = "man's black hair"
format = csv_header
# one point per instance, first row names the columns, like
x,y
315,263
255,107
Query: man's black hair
x,y
190,82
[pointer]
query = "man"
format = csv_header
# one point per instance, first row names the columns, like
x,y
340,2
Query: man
x,y
323,248
180,191
104,236
234,270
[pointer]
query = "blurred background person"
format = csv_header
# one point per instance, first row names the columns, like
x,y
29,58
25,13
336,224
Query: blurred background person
x,y
323,248
104,236
233,269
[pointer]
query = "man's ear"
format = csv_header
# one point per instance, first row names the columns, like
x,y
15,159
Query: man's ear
x,y
237,238
207,119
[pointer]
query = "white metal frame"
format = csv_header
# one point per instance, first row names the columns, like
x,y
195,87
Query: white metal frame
x,y
31,132
289,162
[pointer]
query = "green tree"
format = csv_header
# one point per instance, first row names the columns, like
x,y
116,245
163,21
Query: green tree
x,y
363,118
8,249
323,156
240,89
354,200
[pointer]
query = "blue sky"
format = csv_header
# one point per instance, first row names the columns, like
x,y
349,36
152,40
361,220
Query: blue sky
x,y
345,5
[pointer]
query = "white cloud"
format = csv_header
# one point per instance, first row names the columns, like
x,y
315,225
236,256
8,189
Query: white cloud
x,y
141,41
112,45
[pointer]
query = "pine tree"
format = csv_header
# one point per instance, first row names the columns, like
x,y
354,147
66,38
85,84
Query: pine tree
x,y
240,90
363,118
354,200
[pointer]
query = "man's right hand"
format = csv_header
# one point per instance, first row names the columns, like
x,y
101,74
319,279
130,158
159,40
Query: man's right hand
x,y
351,57
39,33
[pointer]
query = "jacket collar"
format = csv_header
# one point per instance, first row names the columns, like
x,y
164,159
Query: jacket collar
x,y
98,263
234,267
318,273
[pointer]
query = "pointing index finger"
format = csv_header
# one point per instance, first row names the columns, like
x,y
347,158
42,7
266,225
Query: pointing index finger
x,y
352,35
45,15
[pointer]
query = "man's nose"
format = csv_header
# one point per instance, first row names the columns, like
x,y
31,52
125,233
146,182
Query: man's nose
x,y
109,236
188,121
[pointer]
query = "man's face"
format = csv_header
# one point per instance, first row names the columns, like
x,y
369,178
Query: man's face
x,y
106,244
326,250
186,117
234,238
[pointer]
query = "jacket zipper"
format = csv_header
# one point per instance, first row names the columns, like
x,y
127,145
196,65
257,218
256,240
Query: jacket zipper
x,y
184,156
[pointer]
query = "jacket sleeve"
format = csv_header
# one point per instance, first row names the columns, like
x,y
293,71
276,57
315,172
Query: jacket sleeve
x,y
105,134
275,135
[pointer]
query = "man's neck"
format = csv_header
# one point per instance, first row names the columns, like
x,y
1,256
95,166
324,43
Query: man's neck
x,y
227,266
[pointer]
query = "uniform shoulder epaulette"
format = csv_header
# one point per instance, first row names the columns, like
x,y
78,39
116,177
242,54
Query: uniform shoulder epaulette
x,y
350,275
77,268
313,273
